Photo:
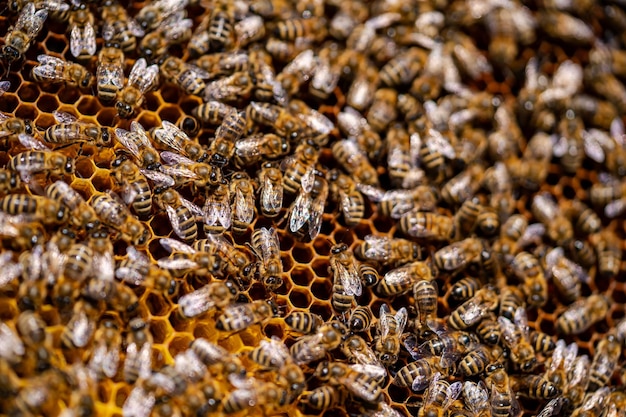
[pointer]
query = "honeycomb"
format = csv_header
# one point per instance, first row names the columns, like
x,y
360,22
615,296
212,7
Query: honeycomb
x,y
308,281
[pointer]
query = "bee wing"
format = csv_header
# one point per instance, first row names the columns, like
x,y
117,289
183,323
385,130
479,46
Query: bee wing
x,y
177,264
300,212
4,87
172,245
149,78
375,194
140,134
317,121
271,195
383,320
452,393
109,74
615,208
244,206
30,142
83,39
349,278
411,344
593,143
269,242
511,338
401,320
64,117
372,370
476,396
172,158
399,276
103,266
11,342
579,371
126,138
521,321
217,211
249,147
377,247
50,68
310,349
167,135
596,400
436,142
308,179
531,234
30,21
196,302
276,351
161,179
315,219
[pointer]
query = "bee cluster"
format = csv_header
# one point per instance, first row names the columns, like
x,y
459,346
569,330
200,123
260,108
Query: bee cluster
x,y
316,207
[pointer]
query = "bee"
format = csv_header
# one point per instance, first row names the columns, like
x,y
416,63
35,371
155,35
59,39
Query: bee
x,y
171,137
138,360
115,215
516,338
355,162
215,295
427,225
136,142
78,264
582,314
105,356
81,326
187,77
309,348
238,317
361,385
458,254
502,399
566,275
585,219
174,30
465,288
181,170
344,268
390,328
270,190
213,355
400,163
558,227
308,208
57,10
266,246
135,188
242,204
345,192
232,88
593,404
32,162
608,194
476,398
253,149
69,129
266,86
476,361
463,186
237,262
55,70
474,309
388,251
604,363
323,398
19,38
534,386
439,396
227,134
82,32
136,269
369,275
293,29
316,126
154,14
383,109
362,90
43,209
186,259
84,215
340,300
527,268
608,248
425,293
360,319
402,69
400,280
398,203
181,212
300,169
358,351
142,78
110,72
216,210
272,354
212,112
13,127
304,322
32,328
118,28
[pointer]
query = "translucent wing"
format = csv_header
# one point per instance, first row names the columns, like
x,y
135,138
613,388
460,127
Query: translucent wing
x,y
161,179
109,74
64,117
300,212
126,138
173,246
171,213
401,320
83,40
4,87
194,209
383,318
271,195
179,264
144,78
244,206
170,135
30,142
349,278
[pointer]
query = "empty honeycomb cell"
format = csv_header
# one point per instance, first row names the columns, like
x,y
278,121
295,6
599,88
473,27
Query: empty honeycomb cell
x,y
27,112
320,267
301,276
9,103
160,329
148,119
55,44
274,330
302,253
169,113
300,299
28,92
84,168
157,305
179,343
382,223
204,330
170,94
69,95
249,338
88,106
322,289
152,102
180,323
101,180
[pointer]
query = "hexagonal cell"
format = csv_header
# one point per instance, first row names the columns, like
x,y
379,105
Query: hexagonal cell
x,y
9,103
148,120
179,343
302,253
299,298
69,95
179,323
152,101
301,276
157,304
84,168
322,289
47,103
169,113
160,329
101,180
28,92
88,106
27,111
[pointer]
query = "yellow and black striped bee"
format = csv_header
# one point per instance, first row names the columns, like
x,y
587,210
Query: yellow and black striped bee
x,y
303,321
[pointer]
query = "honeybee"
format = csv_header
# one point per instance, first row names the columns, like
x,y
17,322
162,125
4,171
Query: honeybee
x,y
57,9
14,346
187,77
458,254
390,328
19,37
182,170
322,398
242,205
81,326
171,137
402,69
308,208
54,69
360,319
110,72
253,149
463,186
439,396
358,351
31,327
138,361
212,112
174,30
142,78
319,126
558,227
105,356
227,134
238,317
266,246
45,210
211,355
22,129
303,321
527,268
82,32
84,216
181,212
355,162
359,384
151,16
33,162
215,295
465,288
216,209
300,169
566,275
138,144
135,188
608,247
344,268
427,225
187,259
266,86
516,338
604,363
270,354
115,215
476,398
293,29
608,194
502,400
593,404
270,190
344,190
136,269
425,293
534,386
232,88
69,129
400,280
388,251
119,28
237,262
309,348
476,361
560,368
582,314
362,90
474,309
